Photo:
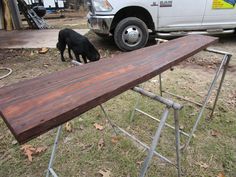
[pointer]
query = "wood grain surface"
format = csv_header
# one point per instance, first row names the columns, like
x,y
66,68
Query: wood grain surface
x,y
35,106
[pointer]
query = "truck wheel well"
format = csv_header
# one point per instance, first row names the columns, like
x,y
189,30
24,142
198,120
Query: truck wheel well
x,y
133,11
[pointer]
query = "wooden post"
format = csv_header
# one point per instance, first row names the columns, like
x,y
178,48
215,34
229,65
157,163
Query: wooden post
x,y
1,16
7,16
15,14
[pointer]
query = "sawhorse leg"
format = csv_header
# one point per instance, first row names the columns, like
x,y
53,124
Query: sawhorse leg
x,y
154,142
224,64
50,169
156,139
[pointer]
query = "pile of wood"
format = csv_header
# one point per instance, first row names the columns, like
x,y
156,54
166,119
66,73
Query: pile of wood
x,y
9,15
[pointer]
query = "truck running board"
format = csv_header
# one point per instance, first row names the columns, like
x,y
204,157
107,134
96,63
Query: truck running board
x,y
208,32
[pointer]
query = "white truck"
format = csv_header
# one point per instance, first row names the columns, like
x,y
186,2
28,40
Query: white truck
x,y
131,22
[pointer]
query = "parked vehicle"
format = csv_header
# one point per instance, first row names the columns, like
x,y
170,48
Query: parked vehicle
x,y
131,22
48,4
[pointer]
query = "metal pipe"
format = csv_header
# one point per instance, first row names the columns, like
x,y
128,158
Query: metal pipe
x,y
108,118
206,100
161,40
218,51
144,145
177,141
154,142
165,101
160,84
53,151
53,172
135,107
182,98
168,125
221,83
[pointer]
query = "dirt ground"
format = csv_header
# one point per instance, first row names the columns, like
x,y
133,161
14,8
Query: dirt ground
x,y
65,19
211,154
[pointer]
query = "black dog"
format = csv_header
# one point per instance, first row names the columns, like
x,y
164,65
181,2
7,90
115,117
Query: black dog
x,y
79,44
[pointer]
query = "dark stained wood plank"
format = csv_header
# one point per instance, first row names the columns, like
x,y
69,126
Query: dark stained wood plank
x,y
33,107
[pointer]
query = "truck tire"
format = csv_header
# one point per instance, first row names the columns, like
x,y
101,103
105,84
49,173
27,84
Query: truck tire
x,y
130,34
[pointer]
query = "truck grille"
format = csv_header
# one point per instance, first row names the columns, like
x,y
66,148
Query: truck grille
x,y
90,6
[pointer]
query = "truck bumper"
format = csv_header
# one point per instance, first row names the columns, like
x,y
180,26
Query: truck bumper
x,y
100,24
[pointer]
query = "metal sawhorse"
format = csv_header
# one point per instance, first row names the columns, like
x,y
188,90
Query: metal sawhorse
x,y
223,66
169,105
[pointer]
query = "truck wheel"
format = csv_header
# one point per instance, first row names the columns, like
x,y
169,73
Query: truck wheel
x,y
130,34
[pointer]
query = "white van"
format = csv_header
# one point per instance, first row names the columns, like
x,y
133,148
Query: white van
x,y
131,21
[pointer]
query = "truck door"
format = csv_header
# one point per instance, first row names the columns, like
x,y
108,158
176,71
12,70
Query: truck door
x,y
181,14
220,13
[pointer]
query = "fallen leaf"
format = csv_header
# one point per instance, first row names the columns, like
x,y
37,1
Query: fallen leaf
x,y
29,151
181,127
115,139
68,127
87,147
139,162
43,50
215,133
98,126
105,173
101,144
14,142
202,165
221,174
40,150
80,119
81,127
25,147
45,65
31,53
67,139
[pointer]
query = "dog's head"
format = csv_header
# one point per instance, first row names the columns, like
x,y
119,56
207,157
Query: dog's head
x,y
93,54
59,46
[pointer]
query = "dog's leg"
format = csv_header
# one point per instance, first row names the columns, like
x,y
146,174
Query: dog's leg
x,y
69,51
61,47
77,56
62,56
85,59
